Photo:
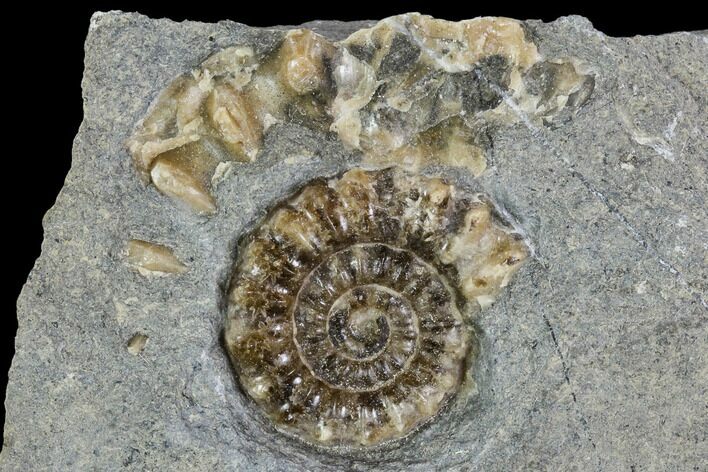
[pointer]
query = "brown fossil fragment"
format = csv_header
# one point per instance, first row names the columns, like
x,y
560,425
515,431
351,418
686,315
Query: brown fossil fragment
x,y
184,173
201,119
345,322
150,258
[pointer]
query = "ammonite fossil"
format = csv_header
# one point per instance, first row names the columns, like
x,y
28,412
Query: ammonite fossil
x,y
348,316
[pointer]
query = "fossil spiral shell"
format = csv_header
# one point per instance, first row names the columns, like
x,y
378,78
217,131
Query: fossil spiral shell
x,y
345,311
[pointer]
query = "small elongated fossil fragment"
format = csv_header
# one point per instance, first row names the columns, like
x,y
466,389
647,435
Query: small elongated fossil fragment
x,y
153,259
349,308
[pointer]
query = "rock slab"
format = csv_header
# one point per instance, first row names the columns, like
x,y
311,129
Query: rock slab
x,y
593,359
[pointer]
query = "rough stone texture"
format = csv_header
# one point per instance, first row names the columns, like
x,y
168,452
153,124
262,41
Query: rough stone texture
x,y
593,359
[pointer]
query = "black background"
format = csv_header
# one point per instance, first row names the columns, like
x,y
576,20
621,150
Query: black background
x,y
52,104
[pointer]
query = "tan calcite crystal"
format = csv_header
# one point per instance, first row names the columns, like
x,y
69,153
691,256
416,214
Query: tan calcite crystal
x,y
184,173
153,259
303,62
233,118
436,47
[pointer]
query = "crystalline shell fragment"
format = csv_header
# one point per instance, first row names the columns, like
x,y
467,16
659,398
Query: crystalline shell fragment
x,y
410,90
137,343
150,258
184,173
232,117
303,65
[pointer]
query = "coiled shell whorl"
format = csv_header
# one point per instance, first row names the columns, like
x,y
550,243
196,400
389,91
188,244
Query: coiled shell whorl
x,y
346,320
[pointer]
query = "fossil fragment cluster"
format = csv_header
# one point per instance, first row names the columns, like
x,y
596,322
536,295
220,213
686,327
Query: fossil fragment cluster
x,y
350,308
411,90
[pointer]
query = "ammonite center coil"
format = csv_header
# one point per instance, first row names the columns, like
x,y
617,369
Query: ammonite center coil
x,y
344,321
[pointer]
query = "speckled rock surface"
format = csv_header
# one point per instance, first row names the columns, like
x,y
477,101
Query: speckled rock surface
x,y
594,358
